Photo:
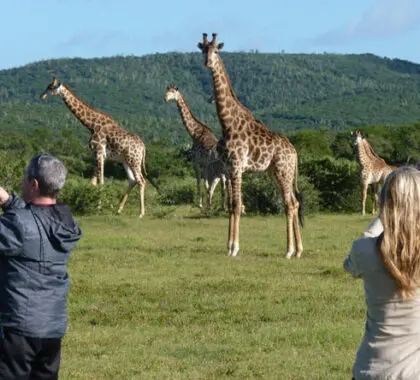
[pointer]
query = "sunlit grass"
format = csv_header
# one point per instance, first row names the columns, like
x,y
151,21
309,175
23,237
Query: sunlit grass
x,y
159,299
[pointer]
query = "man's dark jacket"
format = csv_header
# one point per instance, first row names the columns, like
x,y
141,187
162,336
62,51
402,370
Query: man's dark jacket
x,y
35,245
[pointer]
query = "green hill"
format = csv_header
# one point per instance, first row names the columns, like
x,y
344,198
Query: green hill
x,y
287,91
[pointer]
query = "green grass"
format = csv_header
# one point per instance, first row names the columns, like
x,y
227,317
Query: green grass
x,y
159,299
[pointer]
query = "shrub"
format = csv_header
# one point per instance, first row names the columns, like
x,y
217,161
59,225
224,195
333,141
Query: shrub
x,y
260,195
337,180
12,169
178,193
83,198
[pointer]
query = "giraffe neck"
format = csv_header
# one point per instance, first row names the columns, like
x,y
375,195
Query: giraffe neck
x,y
225,97
192,125
366,154
89,117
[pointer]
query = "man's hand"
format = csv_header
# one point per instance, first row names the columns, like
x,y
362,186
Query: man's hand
x,y
4,196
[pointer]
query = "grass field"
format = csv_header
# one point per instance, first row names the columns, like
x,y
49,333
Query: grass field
x,y
159,299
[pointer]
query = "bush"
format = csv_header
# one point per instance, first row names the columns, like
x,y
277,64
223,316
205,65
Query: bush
x,y
83,198
260,194
12,169
337,180
178,193
165,161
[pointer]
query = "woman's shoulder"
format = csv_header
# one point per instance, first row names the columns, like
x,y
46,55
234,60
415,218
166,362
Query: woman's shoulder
x,y
365,252
365,244
365,249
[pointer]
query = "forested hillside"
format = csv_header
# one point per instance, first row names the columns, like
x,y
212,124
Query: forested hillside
x,y
288,92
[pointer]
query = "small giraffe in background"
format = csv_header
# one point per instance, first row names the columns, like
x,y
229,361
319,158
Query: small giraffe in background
x,y
108,140
374,169
247,145
205,161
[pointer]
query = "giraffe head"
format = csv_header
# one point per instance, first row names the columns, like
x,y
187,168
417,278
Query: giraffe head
x,y
210,50
358,136
172,93
54,88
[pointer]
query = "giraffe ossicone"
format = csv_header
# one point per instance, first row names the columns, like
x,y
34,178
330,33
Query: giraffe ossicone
x,y
247,145
374,169
107,140
207,166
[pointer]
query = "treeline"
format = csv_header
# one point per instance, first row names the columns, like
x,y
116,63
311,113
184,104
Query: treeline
x,y
328,173
289,92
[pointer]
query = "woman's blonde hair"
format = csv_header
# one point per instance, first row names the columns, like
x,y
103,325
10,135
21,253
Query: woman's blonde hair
x,y
399,244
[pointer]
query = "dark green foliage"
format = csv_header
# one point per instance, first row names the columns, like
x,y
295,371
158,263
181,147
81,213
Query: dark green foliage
x,y
261,196
164,160
329,176
343,146
337,180
12,168
314,99
83,198
287,91
178,193
312,142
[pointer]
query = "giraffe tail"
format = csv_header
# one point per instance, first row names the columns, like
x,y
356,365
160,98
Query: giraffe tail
x,y
143,162
145,173
154,185
299,197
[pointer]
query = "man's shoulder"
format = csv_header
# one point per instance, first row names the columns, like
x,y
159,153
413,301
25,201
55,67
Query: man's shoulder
x,y
17,213
59,213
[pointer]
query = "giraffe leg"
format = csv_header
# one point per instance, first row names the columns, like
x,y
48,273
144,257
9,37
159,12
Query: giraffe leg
x,y
235,214
289,214
200,194
374,198
207,187
142,184
284,182
133,178
100,168
99,172
94,179
364,195
131,183
230,230
213,185
223,192
296,230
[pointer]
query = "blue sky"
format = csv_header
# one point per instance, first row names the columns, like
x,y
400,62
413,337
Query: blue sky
x,y
33,30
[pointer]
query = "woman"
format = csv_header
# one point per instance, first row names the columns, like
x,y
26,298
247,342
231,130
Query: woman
x,y
387,257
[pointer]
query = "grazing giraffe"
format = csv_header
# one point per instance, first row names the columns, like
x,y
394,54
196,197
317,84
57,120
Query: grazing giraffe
x,y
204,155
108,140
247,145
374,169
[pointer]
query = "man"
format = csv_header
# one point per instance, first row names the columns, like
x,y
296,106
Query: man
x,y
36,238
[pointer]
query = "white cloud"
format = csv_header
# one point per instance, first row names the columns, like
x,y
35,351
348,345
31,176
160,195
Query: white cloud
x,y
386,18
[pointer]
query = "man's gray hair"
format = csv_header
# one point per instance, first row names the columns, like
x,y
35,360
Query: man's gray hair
x,y
50,173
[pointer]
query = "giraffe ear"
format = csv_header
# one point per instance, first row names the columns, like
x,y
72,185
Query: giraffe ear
x,y
55,81
200,46
220,46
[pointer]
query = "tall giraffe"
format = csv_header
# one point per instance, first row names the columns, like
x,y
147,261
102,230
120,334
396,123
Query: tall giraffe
x,y
247,145
204,155
374,169
108,140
